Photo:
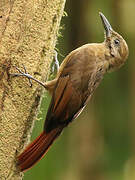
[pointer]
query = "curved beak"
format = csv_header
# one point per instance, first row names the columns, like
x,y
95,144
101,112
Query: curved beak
x,y
106,24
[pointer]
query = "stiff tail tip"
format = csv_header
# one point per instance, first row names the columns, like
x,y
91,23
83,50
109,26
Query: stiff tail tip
x,y
37,149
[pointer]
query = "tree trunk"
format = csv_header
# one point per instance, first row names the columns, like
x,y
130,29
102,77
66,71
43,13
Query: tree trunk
x,y
28,31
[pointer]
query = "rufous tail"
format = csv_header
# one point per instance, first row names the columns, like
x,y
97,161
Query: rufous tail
x,y
35,151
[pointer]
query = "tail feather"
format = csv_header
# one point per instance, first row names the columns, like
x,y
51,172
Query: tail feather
x,y
35,151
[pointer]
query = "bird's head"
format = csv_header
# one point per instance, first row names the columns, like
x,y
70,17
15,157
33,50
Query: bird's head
x,y
116,45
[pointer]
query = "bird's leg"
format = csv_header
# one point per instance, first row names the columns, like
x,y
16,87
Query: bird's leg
x,y
56,63
48,85
25,74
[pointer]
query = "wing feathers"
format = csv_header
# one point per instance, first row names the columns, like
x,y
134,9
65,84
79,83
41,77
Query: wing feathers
x,y
59,91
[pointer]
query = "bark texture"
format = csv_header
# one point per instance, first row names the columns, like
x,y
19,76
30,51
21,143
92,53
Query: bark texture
x,y
28,31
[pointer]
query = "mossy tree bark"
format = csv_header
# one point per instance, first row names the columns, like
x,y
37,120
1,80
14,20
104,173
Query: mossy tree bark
x,y
28,32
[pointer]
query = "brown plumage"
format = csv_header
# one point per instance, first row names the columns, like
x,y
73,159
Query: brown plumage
x,y
78,77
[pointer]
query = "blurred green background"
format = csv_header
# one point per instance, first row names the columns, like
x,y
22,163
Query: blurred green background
x,y
100,144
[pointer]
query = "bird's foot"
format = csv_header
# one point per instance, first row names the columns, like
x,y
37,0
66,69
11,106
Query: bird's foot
x,y
56,63
27,75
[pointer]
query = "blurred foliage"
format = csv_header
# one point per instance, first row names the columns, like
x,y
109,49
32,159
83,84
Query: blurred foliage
x,y
99,145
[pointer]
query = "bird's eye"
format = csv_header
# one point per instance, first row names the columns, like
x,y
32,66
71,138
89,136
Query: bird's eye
x,y
116,41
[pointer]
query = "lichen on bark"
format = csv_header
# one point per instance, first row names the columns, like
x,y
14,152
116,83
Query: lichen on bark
x,y
28,33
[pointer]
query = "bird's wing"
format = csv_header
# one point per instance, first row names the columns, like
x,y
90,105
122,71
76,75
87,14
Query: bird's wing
x,y
60,112
74,87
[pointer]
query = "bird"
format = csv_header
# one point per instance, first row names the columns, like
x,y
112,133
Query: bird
x,y
78,76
